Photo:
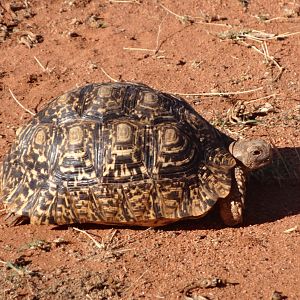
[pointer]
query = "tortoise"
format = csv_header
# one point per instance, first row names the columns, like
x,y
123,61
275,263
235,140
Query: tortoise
x,y
124,153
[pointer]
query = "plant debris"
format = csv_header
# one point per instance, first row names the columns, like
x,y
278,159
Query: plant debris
x,y
39,244
277,296
29,39
205,283
94,21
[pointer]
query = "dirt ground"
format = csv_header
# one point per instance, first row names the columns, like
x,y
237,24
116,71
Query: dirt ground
x,y
191,47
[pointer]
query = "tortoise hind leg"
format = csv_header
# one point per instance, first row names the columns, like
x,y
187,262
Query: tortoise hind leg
x,y
232,207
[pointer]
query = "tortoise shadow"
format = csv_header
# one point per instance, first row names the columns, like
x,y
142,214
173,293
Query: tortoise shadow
x,y
211,221
273,193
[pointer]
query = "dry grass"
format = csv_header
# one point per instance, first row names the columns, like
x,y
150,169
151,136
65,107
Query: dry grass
x,y
158,43
110,247
204,19
96,243
261,38
20,270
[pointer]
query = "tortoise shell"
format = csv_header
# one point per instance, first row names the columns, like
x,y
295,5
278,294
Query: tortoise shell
x,y
116,153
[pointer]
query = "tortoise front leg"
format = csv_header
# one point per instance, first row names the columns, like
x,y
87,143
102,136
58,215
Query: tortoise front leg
x,y
232,207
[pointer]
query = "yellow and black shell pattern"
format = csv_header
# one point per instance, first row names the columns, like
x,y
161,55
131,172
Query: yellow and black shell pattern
x,y
115,153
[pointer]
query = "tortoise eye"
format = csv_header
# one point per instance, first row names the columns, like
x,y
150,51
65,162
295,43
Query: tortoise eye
x,y
40,137
75,135
256,152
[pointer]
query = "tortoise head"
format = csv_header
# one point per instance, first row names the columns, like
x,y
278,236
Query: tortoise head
x,y
253,154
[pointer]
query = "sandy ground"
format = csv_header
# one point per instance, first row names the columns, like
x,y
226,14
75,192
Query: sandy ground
x,y
189,47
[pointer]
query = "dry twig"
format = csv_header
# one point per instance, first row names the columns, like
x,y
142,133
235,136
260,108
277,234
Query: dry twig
x,y
97,244
269,59
155,51
124,1
108,76
261,98
219,94
266,19
183,19
254,35
140,49
157,38
20,104
40,64
190,19
45,69
157,47
107,246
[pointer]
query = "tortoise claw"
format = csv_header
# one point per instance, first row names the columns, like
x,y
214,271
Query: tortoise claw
x,y
15,220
